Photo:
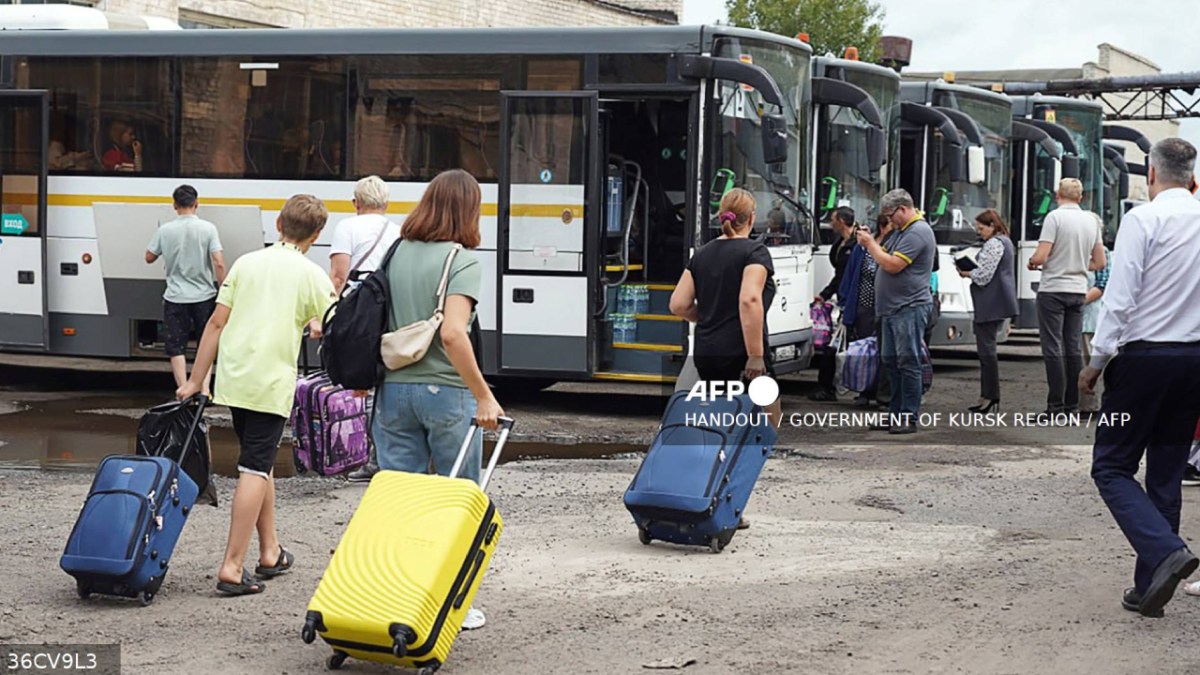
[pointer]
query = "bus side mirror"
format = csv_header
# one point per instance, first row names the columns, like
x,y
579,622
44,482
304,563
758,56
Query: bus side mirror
x,y
976,165
1123,186
1070,167
1058,172
774,139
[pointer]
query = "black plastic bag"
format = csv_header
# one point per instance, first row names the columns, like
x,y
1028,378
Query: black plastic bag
x,y
161,433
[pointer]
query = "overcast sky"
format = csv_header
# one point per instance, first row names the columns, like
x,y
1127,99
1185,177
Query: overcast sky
x,y
998,34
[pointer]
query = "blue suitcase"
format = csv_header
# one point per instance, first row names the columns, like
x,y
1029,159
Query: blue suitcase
x,y
699,472
126,533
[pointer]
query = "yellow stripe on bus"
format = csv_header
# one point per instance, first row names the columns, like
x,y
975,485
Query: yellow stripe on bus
x,y
334,205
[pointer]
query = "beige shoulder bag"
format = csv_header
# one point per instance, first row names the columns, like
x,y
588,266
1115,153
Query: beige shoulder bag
x,y
405,346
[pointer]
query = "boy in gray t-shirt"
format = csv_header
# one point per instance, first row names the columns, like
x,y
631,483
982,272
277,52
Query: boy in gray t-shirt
x,y
195,266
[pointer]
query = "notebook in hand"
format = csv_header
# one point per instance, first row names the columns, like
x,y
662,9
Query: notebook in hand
x,y
965,264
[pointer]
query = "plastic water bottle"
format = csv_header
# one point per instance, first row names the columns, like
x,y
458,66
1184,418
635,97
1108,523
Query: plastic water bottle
x,y
631,328
620,328
642,305
623,299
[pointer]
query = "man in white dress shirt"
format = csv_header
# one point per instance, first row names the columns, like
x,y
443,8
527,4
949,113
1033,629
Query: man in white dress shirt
x,y
1147,343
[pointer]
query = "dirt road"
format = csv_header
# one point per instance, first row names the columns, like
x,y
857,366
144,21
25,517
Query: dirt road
x,y
953,551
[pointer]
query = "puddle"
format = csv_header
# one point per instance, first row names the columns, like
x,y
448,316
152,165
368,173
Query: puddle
x,y
56,436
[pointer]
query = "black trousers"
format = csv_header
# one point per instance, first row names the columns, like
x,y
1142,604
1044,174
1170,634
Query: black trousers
x,y
1158,388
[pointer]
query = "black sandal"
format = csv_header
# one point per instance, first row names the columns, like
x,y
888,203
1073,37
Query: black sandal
x,y
282,564
248,586
823,395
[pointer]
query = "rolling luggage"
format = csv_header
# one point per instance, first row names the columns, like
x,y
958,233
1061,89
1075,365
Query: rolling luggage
x,y
161,433
406,571
126,533
329,427
698,474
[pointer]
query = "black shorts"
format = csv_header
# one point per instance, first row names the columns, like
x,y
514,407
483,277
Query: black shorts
x,y
183,318
258,434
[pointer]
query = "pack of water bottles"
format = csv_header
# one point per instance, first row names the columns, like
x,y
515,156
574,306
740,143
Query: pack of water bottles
x,y
624,328
632,299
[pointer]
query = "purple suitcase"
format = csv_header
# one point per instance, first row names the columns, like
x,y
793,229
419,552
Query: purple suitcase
x,y
329,427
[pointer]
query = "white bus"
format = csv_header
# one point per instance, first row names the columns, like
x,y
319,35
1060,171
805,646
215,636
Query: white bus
x,y
600,153
955,161
1075,125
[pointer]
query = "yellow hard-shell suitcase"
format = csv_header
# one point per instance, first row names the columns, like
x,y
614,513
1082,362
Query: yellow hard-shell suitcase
x,y
408,566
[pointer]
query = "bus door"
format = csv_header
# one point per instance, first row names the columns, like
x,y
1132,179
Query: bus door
x,y
24,139
548,233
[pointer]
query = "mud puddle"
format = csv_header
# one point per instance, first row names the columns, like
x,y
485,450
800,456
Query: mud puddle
x,y
71,435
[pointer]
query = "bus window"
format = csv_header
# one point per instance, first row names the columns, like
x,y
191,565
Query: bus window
x,y
632,68
553,74
263,117
417,116
106,115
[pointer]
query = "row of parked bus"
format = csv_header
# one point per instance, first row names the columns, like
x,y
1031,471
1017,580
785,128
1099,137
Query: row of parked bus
x,y
962,149
603,154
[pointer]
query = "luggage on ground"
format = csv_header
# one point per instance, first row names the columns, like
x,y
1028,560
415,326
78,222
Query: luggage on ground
x,y
329,427
407,568
698,474
126,533
161,433
861,369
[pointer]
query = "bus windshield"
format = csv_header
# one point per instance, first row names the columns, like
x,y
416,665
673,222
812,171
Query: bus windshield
x,y
1085,127
846,177
737,159
953,205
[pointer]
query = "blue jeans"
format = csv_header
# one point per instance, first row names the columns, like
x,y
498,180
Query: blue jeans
x,y
903,333
419,423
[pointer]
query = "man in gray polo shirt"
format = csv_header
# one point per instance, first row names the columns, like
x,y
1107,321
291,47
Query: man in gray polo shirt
x,y
1071,243
903,301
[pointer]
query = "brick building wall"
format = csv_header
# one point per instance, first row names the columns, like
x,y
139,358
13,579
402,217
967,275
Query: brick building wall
x,y
410,13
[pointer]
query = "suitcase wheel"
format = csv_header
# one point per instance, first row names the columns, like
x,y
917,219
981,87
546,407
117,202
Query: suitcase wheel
x,y
644,536
308,634
336,660
715,545
146,598
427,670
83,590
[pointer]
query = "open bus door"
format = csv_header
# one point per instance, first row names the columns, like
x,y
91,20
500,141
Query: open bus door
x,y
548,234
24,141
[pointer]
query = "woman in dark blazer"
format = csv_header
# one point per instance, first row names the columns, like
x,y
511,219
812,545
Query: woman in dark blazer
x,y
994,293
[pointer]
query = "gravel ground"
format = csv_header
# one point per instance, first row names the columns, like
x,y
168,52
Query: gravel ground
x,y
953,551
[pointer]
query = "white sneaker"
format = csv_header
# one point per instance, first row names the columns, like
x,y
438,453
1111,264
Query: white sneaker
x,y
1192,588
475,619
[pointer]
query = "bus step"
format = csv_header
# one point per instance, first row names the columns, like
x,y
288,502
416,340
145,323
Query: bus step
x,y
660,329
634,377
649,359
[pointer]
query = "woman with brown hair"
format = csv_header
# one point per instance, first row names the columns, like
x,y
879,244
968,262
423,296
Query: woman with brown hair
x,y
423,411
726,291
994,293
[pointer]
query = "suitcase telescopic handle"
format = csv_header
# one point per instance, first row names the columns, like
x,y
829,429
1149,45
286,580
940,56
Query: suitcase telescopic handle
x,y
202,400
506,425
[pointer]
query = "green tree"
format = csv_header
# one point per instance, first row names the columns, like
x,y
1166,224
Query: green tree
x,y
832,25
